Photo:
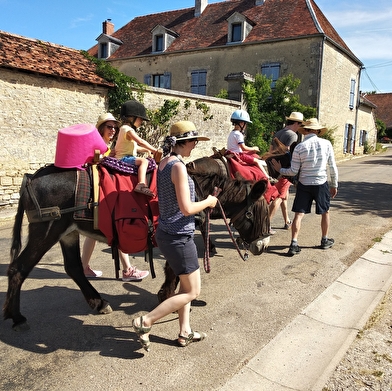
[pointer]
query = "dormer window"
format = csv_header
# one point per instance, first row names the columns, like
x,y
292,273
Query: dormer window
x,y
158,43
162,38
238,29
107,44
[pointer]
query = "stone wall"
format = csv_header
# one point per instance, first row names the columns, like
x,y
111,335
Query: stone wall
x,y
35,107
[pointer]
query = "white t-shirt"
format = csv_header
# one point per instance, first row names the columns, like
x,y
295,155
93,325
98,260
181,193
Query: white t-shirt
x,y
234,140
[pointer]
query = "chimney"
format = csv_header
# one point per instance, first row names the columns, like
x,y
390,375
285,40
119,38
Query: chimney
x,y
200,6
108,27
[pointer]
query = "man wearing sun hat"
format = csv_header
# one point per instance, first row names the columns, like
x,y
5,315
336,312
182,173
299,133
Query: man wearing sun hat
x,y
287,136
310,159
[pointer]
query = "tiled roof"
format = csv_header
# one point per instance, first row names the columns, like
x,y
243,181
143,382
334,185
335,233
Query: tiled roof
x,y
275,20
46,58
383,104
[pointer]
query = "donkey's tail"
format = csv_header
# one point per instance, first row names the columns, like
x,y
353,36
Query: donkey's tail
x,y
17,229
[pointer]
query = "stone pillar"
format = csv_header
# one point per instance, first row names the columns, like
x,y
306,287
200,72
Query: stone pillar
x,y
234,88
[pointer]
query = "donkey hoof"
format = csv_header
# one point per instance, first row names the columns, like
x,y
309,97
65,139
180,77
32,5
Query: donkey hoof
x,y
106,309
21,327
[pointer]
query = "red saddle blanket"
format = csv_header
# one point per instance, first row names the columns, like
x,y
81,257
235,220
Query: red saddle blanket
x,y
125,214
250,172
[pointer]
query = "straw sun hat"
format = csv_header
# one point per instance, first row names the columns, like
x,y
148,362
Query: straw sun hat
x,y
186,130
313,124
295,116
104,118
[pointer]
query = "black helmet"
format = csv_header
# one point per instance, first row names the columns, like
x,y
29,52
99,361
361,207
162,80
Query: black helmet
x,y
133,108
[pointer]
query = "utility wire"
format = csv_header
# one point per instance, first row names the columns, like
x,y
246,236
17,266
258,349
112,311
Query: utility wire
x,y
371,81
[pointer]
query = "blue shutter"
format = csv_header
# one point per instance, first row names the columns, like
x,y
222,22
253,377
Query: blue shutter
x,y
199,82
361,134
352,141
345,138
167,80
147,79
352,93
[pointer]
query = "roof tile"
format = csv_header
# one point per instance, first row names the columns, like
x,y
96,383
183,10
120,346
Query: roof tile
x,y
272,21
46,58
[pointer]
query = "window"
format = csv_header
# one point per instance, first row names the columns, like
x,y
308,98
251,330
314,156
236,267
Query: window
x,y
199,82
159,43
352,94
236,30
239,28
272,71
363,137
349,139
162,38
160,80
103,47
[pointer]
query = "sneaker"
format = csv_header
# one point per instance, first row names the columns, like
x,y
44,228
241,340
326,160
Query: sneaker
x,y
90,273
326,243
294,249
133,274
288,225
272,231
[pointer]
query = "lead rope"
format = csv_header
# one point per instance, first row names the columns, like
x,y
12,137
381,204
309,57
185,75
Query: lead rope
x,y
207,266
246,255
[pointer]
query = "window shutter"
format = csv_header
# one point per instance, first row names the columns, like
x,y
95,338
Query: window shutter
x,y
352,93
352,141
361,133
167,80
147,79
345,138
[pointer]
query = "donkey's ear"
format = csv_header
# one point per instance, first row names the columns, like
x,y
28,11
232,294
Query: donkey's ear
x,y
258,189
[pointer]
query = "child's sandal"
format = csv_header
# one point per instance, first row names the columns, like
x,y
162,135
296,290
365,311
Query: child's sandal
x,y
143,189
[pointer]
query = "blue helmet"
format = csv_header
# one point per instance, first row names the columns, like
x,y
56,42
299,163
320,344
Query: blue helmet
x,y
241,115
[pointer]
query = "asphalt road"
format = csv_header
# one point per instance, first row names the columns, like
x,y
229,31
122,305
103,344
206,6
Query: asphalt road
x,y
242,306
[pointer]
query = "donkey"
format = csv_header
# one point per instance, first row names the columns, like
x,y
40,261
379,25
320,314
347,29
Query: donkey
x,y
56,187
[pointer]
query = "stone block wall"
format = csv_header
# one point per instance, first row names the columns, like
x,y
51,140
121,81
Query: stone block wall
x,y
33,109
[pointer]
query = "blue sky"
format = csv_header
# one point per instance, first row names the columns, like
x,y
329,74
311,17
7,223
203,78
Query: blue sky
x,y
364,25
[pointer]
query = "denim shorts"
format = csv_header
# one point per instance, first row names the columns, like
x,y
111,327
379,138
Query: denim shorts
x,y
306,194
179,251
128,159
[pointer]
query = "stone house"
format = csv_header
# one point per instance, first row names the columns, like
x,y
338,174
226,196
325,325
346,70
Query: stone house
x,y
210,47
382,108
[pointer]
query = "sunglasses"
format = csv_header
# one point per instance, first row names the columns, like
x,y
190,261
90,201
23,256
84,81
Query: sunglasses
x,y
112,127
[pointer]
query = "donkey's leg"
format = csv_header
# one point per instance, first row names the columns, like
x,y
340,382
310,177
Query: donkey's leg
x,y
170,284
42,236
70,246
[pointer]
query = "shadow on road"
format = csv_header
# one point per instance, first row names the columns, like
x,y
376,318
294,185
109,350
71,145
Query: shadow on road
x,y
360,197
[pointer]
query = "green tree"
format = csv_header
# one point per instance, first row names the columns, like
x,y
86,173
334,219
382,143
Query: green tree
x,y
381,129
268,107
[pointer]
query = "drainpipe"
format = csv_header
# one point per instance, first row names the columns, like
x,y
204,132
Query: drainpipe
x,y
358,102
320,77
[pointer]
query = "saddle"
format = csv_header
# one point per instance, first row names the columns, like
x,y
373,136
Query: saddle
x,y
236,168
